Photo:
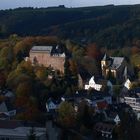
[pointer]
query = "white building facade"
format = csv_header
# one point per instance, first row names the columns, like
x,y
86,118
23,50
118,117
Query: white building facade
x,y
92,84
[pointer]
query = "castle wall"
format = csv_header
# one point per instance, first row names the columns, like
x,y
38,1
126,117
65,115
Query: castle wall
x,y
44,58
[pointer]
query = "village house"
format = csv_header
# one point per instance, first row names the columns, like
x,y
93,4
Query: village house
x,y
116,67
6,110
132,98
112,116
125,88
97,99
105,130
92,84
52,105
99,85
48,56
127,84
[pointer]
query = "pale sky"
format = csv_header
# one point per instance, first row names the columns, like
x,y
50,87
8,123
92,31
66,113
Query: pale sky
x,y
6,4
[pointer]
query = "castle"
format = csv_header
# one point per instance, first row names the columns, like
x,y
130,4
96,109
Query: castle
x,y
48,56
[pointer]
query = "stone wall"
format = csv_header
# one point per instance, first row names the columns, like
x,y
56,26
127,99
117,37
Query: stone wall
x,y
44,58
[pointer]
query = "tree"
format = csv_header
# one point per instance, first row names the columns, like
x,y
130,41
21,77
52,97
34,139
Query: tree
x,y
25,67
135,85
66,114
128,124
139,75
67,68
41,73
84,115
24,46
90,65
24,89
93,51
117,90
6,58
2,80
135,50
15,78
73,66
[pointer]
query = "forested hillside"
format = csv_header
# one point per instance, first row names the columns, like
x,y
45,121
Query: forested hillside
x,y
110,26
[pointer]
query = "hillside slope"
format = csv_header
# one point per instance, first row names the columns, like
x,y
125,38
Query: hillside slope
x,y
110,26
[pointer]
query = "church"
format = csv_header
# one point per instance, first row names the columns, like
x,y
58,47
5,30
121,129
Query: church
x,y
116,67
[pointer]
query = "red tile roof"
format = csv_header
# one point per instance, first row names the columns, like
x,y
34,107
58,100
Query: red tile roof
x,y
102,105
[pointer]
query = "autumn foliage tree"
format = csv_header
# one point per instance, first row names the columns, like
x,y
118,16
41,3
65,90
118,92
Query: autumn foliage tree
x,y
84,114
93,51
135,50
66,114
2,80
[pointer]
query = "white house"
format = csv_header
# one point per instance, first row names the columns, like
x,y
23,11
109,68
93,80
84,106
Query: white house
x,y
99,84
127,84
133,102
132,98
117,119
6,112
52,105
112,116
92,84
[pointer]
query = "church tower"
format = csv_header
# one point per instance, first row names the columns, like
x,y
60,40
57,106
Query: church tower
x,y
105,62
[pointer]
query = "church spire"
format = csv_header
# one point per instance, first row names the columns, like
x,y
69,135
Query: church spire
x,y
106,57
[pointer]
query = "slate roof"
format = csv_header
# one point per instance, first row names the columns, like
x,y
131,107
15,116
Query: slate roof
x,y
111,114
106,127
116,62
106,57
96,93
116,109
56,102
79,94
83,94
133,93
8,104
42,49
3,115
57,50
135,90
102,82
84,73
